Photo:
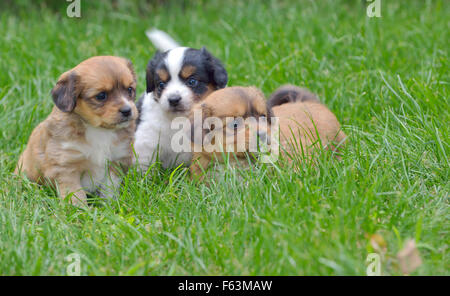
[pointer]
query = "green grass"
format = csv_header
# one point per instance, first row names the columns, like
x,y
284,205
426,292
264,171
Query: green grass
x,y
386,79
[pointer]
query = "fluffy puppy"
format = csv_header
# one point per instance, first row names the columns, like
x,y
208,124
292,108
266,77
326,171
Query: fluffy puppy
x,y
233,122
305,124
176,79
302,121
88,134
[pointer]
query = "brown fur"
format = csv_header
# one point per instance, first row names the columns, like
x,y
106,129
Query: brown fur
x,y
187,71
200,96
163,74
228,102
305,124
47,158
303,121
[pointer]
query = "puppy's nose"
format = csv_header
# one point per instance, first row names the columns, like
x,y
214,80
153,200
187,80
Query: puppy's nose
x,y
174,100
125,111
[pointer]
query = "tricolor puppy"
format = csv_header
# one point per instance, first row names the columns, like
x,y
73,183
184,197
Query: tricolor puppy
x,y
233,121
305,124
176,80
88,134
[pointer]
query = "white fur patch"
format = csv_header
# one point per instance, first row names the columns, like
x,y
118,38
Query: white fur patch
x,y
101,146
174,60
154,135
161,40
175,86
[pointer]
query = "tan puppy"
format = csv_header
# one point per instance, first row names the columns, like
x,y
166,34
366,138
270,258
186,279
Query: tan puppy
x,y
237,113
89,131
305,124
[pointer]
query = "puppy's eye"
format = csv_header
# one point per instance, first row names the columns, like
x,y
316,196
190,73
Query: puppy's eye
x,y
235,124
161,85
130,91
101,96
192,82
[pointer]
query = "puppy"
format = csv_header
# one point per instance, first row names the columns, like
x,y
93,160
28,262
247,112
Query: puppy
x,y
302,121
305,124
88,134
234,120
176,79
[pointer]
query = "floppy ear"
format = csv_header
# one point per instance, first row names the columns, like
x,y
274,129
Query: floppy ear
x,y
129,64
216,70
268,106
150,71
66,91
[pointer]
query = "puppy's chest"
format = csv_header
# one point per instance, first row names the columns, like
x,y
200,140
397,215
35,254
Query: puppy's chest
x,y
154,137
100,146
158,139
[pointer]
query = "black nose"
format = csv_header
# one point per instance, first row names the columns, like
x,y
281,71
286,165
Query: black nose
x,y
126,111
174,100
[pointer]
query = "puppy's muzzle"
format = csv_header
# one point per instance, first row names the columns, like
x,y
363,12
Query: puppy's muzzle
x,y
174,100
125,112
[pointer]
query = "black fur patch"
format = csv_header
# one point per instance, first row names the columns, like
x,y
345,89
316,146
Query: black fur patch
x,y
153,65
139,104
209,70
289,94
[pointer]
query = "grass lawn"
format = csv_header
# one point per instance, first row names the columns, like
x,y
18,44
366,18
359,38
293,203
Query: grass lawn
x,y
386,79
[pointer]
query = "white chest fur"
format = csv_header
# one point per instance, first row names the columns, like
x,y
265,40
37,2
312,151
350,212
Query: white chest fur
x,y
154,135
101,147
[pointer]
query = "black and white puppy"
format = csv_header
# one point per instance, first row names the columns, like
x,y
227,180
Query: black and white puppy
x,y
176,79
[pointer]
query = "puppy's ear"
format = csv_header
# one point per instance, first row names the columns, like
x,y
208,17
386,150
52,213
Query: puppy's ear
x,y
129,64
66,91
263,100
150,71
216,70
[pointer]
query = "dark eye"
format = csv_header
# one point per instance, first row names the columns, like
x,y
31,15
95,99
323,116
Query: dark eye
x,y
235,124
192,82
130,91
101,96
161,85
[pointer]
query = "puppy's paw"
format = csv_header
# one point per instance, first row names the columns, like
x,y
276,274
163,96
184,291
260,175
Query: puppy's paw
x,y
79,200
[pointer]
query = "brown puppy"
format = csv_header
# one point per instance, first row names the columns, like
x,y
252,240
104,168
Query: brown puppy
x,y
305,124
88,132
233,120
